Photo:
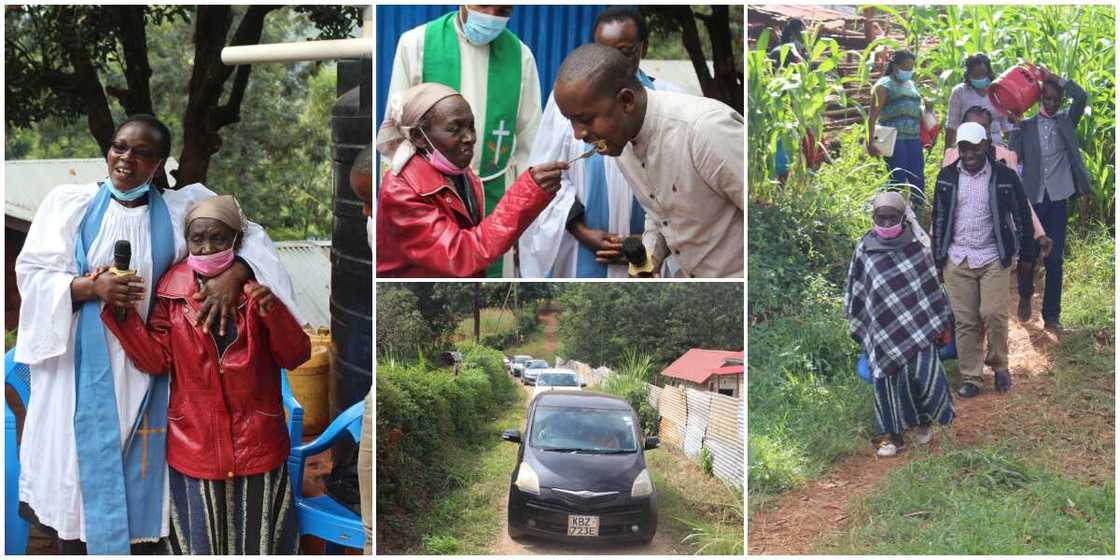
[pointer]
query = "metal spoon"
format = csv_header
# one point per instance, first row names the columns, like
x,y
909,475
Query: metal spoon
x,y
586,154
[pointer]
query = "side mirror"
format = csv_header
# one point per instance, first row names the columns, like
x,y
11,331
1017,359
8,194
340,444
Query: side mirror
x,y
652,443
515,436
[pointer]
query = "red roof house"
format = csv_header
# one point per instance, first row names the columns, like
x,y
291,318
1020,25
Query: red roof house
x,y
718,371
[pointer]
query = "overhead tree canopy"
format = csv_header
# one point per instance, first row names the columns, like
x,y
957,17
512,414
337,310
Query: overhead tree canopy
x,y
724,44
73,61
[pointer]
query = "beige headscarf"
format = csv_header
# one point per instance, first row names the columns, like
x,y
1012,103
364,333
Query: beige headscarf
x,y
223,208
889,199
402,115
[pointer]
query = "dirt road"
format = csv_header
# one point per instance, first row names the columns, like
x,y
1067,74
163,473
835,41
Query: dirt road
x,y
804,519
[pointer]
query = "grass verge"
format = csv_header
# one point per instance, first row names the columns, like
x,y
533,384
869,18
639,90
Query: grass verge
x,y
982,501
695,509
1042,484
463,521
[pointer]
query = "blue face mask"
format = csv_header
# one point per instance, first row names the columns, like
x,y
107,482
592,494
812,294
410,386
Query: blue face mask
x,y
904,75
981,83
481,28
134,193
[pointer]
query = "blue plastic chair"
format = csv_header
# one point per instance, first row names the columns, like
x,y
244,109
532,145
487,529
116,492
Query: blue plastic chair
x,y
322,516
16,528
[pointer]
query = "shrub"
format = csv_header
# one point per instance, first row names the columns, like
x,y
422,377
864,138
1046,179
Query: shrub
x,y
422,412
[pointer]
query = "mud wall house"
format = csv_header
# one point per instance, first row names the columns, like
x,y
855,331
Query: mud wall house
x,y
715,371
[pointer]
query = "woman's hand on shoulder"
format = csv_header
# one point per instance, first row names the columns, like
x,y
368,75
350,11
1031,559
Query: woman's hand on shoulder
x,y
262,295
219,297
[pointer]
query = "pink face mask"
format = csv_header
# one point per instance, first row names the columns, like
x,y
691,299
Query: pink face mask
x,y
1042,111
888,232
440,161
211,265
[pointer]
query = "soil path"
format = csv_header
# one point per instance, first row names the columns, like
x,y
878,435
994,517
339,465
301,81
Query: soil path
x,y
802,520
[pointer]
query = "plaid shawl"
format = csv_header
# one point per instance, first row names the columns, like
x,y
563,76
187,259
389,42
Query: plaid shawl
x,y
894,303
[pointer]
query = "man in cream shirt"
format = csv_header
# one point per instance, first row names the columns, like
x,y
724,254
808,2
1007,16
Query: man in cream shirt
x,y
471,51
682,155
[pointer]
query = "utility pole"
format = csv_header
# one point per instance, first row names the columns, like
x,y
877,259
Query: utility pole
x,y
477,311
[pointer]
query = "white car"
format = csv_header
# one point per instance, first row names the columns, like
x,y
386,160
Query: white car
x,y
557,380
532,368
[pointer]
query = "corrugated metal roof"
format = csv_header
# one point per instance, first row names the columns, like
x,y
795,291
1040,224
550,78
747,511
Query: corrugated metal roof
x,y
697,365
309,265
27,182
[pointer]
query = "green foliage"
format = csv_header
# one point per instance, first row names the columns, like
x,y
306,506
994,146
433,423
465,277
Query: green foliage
x,y
1088,295
1076,42
9,339
983,501
422,412
631,381
276,159
401,329
717,538
706,461
601,321
442,544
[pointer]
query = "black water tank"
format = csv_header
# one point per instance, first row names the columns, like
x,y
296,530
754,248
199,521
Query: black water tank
x,y
351,257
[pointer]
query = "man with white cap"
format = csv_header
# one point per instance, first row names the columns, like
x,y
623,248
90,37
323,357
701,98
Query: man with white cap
x,y
981,220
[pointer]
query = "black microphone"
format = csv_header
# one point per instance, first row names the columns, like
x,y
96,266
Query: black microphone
x,y
636,255
122,258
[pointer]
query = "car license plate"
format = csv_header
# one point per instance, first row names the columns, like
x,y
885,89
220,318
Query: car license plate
x,y
583,525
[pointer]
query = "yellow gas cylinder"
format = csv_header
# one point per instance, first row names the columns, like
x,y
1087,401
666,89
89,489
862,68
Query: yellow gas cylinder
x,y
311,383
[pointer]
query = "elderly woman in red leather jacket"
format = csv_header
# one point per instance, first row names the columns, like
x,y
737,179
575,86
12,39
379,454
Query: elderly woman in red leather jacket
x,y
227,440
430,218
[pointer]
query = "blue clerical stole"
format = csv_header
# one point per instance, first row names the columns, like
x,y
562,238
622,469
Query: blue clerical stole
x,y
122,489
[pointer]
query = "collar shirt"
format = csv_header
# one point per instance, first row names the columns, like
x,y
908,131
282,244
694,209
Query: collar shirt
x,y
1057,174
686,167
974,237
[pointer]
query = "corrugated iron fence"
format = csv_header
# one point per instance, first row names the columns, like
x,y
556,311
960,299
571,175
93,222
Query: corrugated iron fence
x,y
692,421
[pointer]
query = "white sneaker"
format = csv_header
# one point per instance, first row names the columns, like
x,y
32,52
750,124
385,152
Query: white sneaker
x,y
887,450
922,435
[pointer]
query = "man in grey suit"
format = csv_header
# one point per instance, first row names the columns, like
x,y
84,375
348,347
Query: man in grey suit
x,y
1053,173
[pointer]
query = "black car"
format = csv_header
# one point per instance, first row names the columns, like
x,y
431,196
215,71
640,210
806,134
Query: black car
x,y
581,471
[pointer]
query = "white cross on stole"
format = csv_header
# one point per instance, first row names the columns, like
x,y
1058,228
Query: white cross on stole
x,y
500,132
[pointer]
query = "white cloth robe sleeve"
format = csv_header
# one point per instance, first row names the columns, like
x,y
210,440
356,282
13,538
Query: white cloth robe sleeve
x,y
545,243
257,249
44,270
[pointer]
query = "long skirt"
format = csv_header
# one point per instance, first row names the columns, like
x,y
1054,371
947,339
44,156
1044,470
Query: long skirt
x,y
917,395
244,515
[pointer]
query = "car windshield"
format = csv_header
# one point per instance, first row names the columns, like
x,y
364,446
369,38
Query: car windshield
x,y
520,360
583,430
558,380
537,364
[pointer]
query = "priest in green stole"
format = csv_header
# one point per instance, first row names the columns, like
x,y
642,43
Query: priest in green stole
x,y
471,51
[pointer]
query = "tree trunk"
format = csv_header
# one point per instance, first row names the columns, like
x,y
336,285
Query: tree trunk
x,y
204,117
723,55
86,83
477,312
137,70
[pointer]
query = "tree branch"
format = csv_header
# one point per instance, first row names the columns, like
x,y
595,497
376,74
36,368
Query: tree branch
x,y
137,70
87,82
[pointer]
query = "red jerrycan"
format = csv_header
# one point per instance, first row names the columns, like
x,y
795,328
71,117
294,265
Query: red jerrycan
x,y
1017,89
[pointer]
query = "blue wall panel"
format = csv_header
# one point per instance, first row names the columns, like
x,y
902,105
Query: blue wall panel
x,y
551,32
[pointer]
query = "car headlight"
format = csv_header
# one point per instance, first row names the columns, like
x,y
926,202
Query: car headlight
x,y
643,486
527,480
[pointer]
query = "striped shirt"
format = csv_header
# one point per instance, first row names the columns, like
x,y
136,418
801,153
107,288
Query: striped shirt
x,y
974,238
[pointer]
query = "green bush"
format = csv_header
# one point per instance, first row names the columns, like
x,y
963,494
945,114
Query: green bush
x,y
421,412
